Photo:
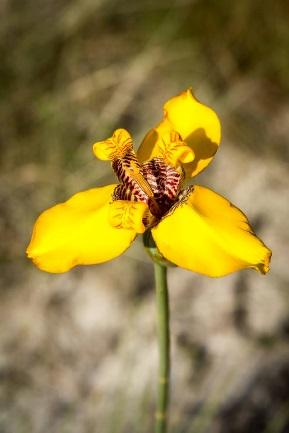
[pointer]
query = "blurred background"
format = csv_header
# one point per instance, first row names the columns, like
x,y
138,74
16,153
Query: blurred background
x,y
78,351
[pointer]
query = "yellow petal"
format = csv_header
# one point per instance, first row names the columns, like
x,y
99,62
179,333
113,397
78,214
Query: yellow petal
x,y
78,232
205,233
128,214
114,147
198,126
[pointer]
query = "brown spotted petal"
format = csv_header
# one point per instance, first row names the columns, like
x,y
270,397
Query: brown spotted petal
x,y
165,182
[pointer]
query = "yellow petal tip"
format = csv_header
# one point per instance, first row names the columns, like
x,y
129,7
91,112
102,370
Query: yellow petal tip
x,y
114,147
264,266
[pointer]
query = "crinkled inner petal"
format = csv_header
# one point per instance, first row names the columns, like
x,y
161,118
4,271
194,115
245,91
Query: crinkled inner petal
x,y
165,182
205,233
78,232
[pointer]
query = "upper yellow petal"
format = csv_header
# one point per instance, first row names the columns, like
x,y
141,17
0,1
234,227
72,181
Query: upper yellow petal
x,y
78,232
197,124
205,233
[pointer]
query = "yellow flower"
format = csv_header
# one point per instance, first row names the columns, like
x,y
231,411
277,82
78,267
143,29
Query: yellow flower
x,y
193,227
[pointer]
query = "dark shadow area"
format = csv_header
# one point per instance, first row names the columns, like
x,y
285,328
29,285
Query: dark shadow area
x,y
203,147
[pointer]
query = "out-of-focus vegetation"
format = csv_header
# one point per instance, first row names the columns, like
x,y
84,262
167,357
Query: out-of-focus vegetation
x,y
78,351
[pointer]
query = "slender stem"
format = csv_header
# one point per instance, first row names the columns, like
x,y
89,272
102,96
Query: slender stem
x,y
163,318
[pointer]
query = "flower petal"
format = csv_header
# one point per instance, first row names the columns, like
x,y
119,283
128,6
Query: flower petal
x,y
198,126
205,233
114,147
78,232
128,214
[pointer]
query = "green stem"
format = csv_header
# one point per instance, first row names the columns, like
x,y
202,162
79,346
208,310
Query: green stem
x,y
163,318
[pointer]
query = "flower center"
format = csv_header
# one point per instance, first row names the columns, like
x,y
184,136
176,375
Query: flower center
x,y
155,183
